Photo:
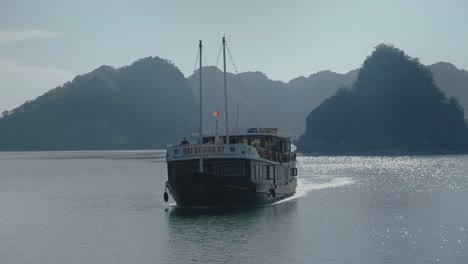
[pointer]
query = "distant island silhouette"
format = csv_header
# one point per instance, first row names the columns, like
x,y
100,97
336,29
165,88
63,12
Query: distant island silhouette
x,y
148,104
134,107
394,107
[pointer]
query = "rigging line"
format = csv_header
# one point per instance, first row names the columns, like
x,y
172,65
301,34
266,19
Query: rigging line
x,y
185,129
208,91
243,86
195,66
195,126
196,60
204,58
210,86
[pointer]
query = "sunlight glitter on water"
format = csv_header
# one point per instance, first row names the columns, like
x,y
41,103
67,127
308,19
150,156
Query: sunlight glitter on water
x,y
105,207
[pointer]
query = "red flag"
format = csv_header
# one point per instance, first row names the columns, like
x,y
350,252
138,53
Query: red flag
x,y
216,113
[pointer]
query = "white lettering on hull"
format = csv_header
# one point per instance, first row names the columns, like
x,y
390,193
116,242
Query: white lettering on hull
x,y
213,150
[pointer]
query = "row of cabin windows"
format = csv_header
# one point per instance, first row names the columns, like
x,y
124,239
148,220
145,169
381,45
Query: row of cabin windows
x,y
268,142
280,174
236,168
221,168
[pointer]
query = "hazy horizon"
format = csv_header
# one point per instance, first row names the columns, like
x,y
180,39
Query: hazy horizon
x,y
44,44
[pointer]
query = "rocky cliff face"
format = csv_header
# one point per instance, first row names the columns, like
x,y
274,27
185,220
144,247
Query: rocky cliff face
x,y
149,104
393,107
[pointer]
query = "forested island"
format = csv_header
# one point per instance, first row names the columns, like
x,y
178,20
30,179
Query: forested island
x,y
392,104
394,107
134,107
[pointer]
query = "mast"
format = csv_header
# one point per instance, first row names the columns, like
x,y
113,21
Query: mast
x,y
200,142
225,92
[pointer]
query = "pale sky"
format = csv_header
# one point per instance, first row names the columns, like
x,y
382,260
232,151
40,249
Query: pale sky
x,y
46,43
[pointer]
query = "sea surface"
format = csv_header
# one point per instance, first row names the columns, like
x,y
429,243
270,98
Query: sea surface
x,y
107,207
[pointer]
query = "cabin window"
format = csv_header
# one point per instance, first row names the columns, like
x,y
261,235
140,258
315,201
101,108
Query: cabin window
x,y
270,172
293,171
255,172
231,168
285,145
208,140
181,169
288,145
220,140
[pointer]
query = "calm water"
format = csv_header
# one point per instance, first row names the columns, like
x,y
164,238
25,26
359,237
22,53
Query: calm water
x,y
107,207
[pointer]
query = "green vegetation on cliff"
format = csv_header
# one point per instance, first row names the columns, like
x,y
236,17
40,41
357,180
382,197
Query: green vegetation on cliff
x,y
393,107
134,107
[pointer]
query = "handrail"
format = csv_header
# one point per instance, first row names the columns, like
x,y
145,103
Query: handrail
x,y
276,156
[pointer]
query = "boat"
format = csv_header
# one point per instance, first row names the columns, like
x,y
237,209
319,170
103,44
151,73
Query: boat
x,y
233,169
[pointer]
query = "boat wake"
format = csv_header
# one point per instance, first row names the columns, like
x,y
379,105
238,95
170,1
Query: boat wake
x,y
306,185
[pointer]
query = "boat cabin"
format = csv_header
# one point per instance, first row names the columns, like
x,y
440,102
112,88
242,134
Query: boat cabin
x,y
267,139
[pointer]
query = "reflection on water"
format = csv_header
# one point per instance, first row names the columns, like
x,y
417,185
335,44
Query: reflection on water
x,y
231,235
107,207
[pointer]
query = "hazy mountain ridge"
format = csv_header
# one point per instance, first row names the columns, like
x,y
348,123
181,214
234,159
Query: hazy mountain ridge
x,y
453,81
275,103
286,105
144,105
124,108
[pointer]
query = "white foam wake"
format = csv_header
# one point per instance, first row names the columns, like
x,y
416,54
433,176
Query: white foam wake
x,y
305,186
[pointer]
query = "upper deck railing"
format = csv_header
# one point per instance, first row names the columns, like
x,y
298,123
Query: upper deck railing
x,y
276,156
